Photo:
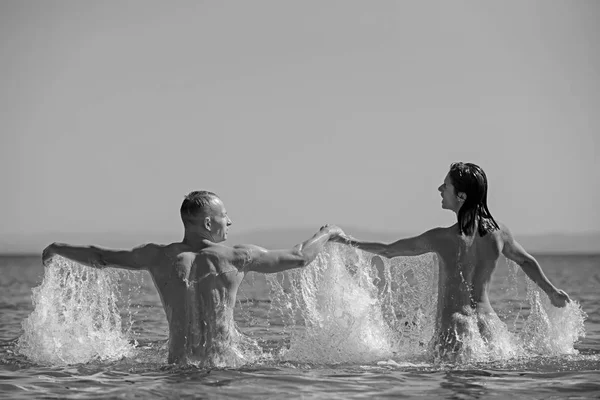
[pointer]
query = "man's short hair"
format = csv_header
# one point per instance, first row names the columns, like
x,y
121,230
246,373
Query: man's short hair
x,y
194,203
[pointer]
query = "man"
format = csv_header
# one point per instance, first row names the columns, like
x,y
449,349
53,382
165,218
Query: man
x,y
468,253
198,278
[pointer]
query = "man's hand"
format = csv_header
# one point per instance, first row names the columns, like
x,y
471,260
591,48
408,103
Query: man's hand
x,y
559,298
48,253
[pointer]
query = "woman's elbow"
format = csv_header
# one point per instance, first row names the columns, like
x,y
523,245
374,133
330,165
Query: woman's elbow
x,y
529,263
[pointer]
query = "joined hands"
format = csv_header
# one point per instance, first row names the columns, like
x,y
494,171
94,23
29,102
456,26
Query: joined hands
x,y
336,234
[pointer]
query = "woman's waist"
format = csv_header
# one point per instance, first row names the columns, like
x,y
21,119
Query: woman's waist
x,y
465,305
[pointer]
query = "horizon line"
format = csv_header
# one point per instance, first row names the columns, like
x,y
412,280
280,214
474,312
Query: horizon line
x,y
535,253
293,228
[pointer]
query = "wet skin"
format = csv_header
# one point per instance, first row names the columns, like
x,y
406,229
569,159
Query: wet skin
x,y
198,280
466,265
198,293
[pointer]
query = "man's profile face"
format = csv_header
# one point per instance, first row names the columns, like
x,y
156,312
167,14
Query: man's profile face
x,y
450,199
220,221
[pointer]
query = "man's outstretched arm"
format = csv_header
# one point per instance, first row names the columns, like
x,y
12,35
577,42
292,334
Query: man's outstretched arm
x,y
412,246
258,259
92,256
515,252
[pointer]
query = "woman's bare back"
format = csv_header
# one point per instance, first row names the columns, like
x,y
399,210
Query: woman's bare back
x,y
466,265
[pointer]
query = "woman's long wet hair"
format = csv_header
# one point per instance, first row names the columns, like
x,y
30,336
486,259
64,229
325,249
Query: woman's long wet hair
x,y
471,180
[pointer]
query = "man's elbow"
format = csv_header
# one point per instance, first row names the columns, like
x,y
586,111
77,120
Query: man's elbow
x,y
98,257
303,261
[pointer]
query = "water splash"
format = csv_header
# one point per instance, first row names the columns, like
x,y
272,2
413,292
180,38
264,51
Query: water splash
x,y
348,306
76,318
355,308
351,306
550,330
83,314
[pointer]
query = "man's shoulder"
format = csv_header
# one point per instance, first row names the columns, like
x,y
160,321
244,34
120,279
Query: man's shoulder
x,y
214,252
184,255
160,249
223,257
176,250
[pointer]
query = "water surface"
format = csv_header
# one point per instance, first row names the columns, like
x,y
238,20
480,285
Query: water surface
x,y
335,329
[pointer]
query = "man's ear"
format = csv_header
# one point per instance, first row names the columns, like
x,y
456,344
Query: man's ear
x,y
207,223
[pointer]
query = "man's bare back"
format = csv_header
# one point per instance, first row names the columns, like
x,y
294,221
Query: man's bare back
x,y
198,289
198,279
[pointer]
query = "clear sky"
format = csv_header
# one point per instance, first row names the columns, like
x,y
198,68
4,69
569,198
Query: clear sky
x,y
296,113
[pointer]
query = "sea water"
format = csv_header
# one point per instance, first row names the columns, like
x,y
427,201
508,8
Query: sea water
x,y
348,306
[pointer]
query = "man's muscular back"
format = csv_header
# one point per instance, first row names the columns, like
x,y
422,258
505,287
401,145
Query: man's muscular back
x,y
180,268
198,278
198,290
